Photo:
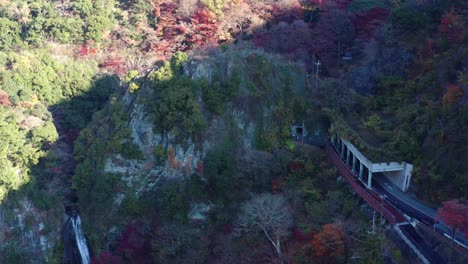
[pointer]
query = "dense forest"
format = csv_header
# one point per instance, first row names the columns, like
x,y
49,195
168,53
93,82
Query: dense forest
x,y
166,124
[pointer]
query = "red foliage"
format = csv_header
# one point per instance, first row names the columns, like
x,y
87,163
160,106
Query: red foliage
x,y
227,229
293,40
204,28
261,39
428,50
87,49
329,242
203,16
135,244
170,33
302,237
295,166
106,258
452,26
327,4
289,14
115,64
455,215
199,168
180,29
167,16
4,99
367,21
276,186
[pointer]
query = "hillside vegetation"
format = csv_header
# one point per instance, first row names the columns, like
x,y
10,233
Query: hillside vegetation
x,y
167,121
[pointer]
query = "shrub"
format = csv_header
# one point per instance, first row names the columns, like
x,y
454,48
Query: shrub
x,y
358,6
164,73
175,103
217,94
132,206
131,75
410,18
160,152
172,202
219,168
215,6
289,144
9,33
130,150
177,60
133,87
212,97
373,122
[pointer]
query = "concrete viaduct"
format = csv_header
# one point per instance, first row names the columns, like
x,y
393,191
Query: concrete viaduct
x,y
397,172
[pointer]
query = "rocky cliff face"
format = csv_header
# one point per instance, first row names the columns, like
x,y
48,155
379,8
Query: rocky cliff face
x,y
143,174
25,226
260,111
186,157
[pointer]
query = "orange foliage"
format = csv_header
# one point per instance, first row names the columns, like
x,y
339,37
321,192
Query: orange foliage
x,y
452,95
26,104
329,242
173,163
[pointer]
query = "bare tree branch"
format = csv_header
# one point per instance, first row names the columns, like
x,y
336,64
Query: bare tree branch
x,y
268,213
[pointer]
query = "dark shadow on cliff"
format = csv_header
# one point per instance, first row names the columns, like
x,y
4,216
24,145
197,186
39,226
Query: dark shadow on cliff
x,y
49,188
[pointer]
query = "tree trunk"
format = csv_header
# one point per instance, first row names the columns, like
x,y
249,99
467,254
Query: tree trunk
x,y
339,53
276,245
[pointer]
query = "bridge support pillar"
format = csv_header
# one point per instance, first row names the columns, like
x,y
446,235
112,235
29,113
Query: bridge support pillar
x,y
361,170
353,167
347,156
342,149
369,180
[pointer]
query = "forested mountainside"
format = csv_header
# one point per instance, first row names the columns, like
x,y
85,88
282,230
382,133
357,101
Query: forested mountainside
x,y
166,125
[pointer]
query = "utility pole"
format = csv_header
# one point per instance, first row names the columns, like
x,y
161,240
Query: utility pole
x,y
383,197
373,222
303,132
317,64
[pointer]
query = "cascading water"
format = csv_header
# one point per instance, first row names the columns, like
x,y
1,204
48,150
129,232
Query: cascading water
x,y
80,239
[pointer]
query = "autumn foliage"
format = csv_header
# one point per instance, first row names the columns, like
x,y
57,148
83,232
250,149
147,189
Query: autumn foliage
x,y
368,21
205,27
4,99
329,242
455,215
452,26
452,95
114,64
106,258
135,243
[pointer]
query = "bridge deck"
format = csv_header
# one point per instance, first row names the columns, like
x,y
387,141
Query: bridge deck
x,y
380,205
413,207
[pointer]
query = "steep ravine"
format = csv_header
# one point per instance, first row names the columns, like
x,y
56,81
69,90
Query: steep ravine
x,y
36,220
75,248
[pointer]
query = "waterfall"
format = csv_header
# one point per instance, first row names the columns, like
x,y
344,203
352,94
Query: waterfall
x,y
80,239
